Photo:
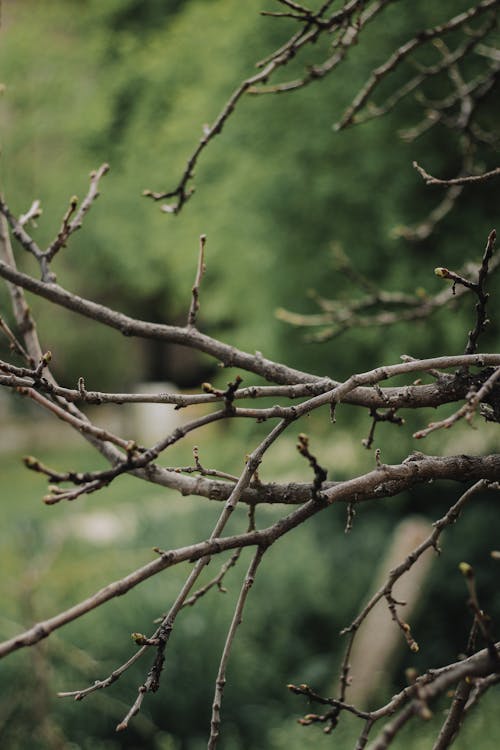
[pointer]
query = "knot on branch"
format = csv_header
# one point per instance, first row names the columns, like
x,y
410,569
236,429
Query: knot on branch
x,y
227,395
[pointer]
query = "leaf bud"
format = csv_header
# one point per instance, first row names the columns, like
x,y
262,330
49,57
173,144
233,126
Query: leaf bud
x,y
466,569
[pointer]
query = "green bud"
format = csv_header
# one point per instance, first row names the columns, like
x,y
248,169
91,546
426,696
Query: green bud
x,y
466,569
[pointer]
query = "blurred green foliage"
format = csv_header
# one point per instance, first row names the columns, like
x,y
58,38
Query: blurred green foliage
x,y
132,84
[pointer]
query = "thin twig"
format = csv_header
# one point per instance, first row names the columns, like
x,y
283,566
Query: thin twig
x,y
467,180
403,51
220,681
195,302
69,227
387,587
467,410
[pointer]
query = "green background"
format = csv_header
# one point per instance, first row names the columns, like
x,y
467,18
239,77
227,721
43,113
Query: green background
x,y
132,83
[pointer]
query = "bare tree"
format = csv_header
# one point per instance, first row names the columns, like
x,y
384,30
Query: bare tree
x,y
470,379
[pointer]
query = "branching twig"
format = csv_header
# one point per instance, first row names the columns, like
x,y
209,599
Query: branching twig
x,y
404,51
474,399
478,287
423,690
68,227
387,416
162,633
385,591
33,213
337,316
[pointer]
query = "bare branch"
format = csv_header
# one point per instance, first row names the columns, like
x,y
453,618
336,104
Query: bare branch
x,y
33,213
471,179
404,51
474,398
475,378
69,227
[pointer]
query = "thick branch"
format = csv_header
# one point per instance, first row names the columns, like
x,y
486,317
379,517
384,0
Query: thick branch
x,y
229,355
382,482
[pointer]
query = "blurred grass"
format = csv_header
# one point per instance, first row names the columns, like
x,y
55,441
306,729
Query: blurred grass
x,y
56,556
